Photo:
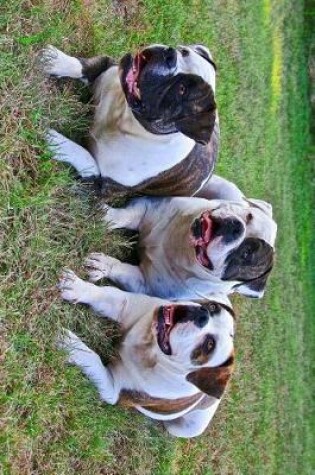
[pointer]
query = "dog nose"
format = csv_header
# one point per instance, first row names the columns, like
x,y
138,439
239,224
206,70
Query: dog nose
x,y
230,229
201,317
170,56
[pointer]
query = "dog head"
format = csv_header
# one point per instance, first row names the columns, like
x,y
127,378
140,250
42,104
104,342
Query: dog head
x,y
235,242
171,89
198,338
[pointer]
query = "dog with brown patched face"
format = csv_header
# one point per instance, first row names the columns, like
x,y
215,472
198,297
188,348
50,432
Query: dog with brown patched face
x,y
155,130
175,358
190,247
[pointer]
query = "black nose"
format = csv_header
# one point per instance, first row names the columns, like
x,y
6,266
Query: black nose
x,y
191,313
170,55
230,229
201,317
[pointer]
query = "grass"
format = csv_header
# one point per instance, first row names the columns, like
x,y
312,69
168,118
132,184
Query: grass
x,y
52,421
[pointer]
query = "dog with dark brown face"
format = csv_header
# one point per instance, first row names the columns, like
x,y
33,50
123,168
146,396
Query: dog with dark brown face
x,y
155,129
175,358
190,247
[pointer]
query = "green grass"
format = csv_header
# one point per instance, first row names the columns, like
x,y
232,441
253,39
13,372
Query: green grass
x,y
52,421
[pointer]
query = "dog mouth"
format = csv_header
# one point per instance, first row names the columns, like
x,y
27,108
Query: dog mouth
x,y
202,233
164,323
132,78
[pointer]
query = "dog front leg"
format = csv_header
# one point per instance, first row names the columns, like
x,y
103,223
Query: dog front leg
x,y
65,150
56,63
129,217
106,301
101,266
90,364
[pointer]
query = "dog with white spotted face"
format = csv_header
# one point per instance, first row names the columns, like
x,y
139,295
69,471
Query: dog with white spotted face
x,y
191,247
175,359
155,130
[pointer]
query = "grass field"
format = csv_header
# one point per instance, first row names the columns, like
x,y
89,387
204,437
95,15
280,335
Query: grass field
x,y
51,419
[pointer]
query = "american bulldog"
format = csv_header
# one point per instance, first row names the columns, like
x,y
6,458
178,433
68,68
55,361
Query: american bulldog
x,y
191,247
155,129
175,358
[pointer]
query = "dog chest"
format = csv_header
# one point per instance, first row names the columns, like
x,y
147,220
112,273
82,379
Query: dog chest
x,y
130,160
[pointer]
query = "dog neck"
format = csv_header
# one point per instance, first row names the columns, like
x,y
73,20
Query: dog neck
x,y
119,142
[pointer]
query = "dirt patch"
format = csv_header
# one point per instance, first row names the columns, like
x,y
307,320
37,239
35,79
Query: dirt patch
x,y
127,9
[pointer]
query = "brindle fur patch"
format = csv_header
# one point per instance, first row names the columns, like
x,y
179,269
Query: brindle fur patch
x,y
93,67
212,381
184,179
129,398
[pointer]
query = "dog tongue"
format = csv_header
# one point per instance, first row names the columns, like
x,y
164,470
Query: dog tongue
x,y
206,225
132,77
131,80
202,256
168,315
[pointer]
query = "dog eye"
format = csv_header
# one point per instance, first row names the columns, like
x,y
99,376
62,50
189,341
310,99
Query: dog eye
x,y
209,344
214,308
249,217
185,52
182,89
246,254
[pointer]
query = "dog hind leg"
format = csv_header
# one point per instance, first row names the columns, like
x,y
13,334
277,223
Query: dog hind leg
x,y
90,364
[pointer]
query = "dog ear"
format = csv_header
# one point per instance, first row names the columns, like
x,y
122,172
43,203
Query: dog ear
x,y
204,52
212,381
198,127
254,289
261,204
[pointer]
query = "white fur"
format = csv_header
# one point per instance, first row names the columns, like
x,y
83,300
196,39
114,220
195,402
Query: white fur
x,y
57,63
64,150
132,159
196,64
219,188
193,424
130,218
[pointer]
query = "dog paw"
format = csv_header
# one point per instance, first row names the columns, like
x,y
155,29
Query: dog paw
x,y
58,145
76,350
54,140
67,340
50,59
99,266
71,287
54,62
112,217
